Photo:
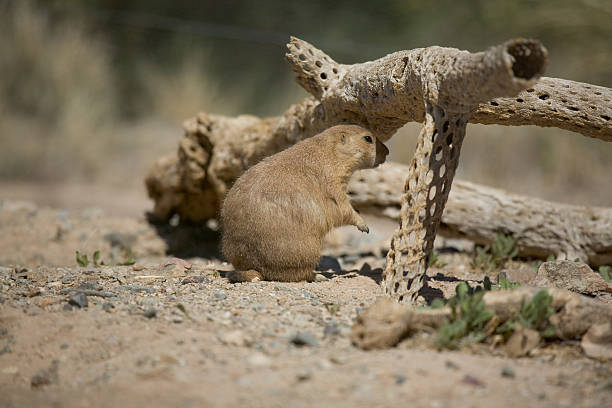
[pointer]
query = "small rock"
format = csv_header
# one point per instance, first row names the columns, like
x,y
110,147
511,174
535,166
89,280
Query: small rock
x,y
521,342
67,279
473,381
451,365
67,307
336,359
234,338
46,377
400,379
79,300
64,346
195,279
570,275
10,370
304,375
220,295
259,360
507,372
320,277
307,294
107,307
597,342
331,329
137,267
5,349
301,339
139,289
150,313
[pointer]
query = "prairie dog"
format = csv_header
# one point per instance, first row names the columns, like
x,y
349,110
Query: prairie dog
x,y
277,213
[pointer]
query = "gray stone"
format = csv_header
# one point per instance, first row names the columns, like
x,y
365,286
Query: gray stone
x,y
302,339
79,300
331,329
220,295
150,313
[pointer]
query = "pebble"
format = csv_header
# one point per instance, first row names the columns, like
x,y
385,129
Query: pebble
x,y
304,375
79,300
107,307
195,279
400,379
331,329
234,338
301,339
320,278
507,372
10,370
150,313
220,295
259,360
138,289
451,365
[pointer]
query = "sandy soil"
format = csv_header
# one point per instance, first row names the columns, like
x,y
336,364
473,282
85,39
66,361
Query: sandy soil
x,y
171,331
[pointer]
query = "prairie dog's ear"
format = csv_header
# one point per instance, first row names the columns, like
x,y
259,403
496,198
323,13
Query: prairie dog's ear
x,y
343,137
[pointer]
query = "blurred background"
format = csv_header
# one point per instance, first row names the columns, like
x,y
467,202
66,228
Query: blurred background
x,y
92,92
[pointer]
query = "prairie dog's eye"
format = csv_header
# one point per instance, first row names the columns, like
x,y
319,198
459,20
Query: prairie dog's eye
x,y
368,139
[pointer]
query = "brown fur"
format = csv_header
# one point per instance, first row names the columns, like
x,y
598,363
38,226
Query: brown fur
x,y
277,213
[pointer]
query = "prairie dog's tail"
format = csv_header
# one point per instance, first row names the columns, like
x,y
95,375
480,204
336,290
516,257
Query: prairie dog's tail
x,y
244,276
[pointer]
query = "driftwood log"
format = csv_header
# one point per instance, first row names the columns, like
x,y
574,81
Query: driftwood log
x,y
383,95
541,228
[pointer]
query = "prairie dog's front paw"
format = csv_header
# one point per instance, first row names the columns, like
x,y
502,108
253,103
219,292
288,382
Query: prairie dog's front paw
x,y
362,226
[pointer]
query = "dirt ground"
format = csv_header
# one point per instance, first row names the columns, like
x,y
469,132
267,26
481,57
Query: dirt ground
x,y
170,330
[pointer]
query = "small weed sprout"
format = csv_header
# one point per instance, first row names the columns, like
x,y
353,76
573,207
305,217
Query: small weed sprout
x,y
83,261
505,284
533,315
435,261
495,256
468,318
606,273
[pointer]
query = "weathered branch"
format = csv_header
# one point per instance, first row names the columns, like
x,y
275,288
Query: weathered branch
x,y
478,213
217,149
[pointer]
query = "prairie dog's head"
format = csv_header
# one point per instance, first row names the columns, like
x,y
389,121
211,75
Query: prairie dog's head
x,y
358,146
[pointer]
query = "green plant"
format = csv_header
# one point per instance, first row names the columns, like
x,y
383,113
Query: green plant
x,y
505,284
533,315
435,261
468,318
83,261
496,255
606,273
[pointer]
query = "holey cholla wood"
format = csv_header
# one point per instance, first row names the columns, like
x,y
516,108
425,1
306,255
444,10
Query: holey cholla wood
x,y
441,87
454,83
